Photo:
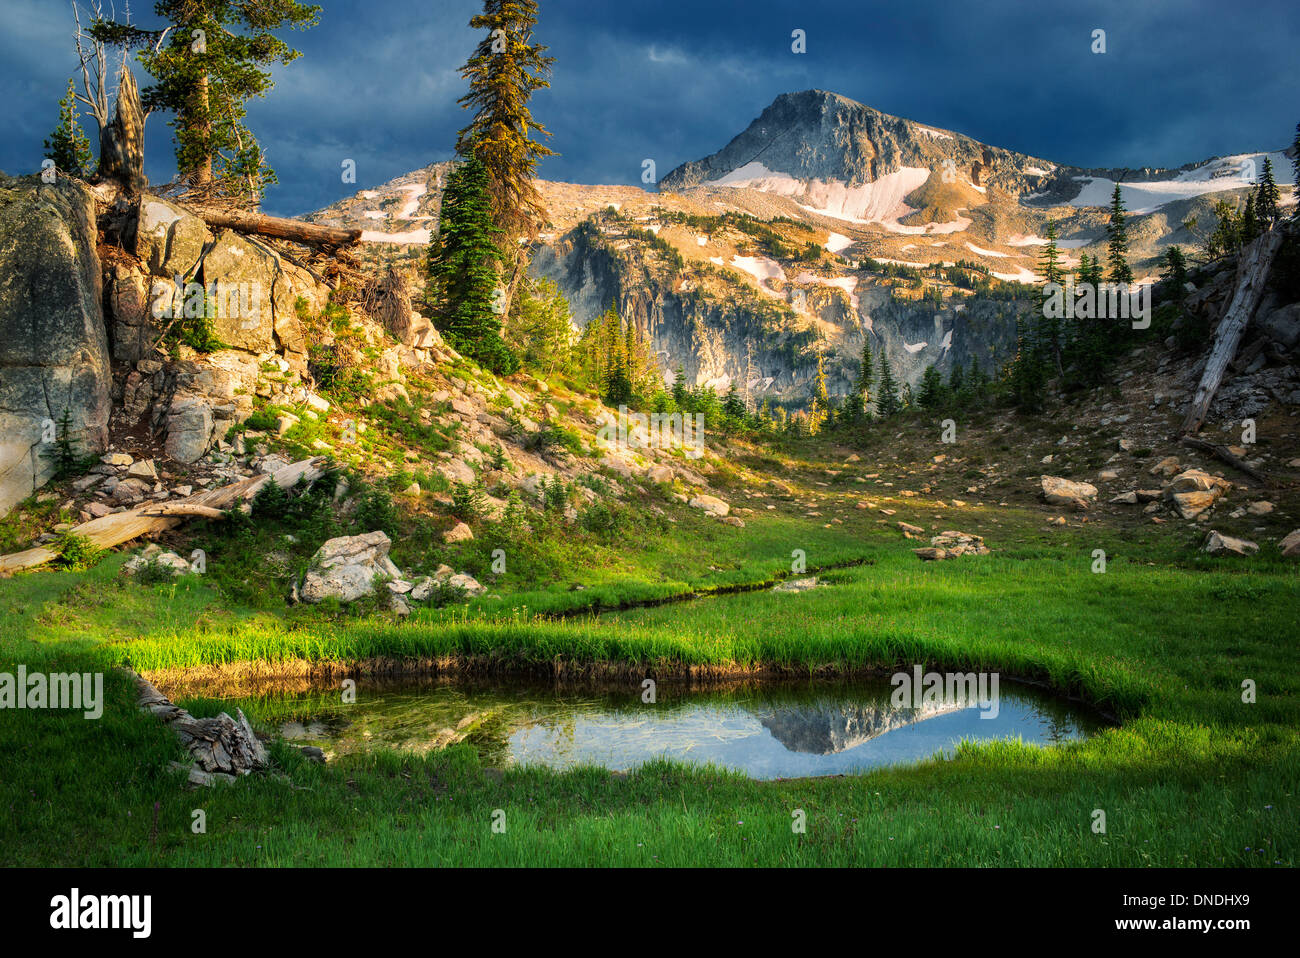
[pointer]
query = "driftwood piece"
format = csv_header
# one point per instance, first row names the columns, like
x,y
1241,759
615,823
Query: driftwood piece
x,y
1221,452
221,746
279,227
108,531
1252,274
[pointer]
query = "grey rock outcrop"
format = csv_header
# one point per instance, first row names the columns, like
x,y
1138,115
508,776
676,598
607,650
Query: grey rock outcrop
x,y
53,344
345,567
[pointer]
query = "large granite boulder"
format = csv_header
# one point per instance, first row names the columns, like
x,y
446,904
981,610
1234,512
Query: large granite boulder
x,y
54,354
242,273
1065,492
345,567
169,240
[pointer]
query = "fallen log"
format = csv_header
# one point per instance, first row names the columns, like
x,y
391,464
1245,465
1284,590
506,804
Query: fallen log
x,y
1252,273
222,747
1221,452
111,530
279,227
184,509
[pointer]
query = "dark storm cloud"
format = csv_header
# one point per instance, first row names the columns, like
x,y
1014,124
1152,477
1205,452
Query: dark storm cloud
x,y
673,81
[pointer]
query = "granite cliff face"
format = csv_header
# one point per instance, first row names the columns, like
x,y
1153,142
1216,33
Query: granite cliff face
x,y
54,355
772,335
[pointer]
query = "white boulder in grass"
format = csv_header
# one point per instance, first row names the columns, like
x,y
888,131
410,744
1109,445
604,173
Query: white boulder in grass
x,y
1217,543
710,504
345,567
1064,492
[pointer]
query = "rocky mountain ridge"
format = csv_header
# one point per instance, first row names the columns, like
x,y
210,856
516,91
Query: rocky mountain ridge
x,y
853,196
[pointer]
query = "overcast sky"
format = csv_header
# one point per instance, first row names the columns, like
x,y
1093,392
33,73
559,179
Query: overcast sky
x,y
1180,80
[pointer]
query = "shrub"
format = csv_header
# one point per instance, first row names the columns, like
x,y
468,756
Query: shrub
x,y
76,552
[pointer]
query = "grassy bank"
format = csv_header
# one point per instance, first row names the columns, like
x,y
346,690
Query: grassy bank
x,y
1192,777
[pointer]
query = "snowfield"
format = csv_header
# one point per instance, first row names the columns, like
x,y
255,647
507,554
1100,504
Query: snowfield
x,y
406,239
847,283
985,252
1021,276
1225,173
837,242
878,202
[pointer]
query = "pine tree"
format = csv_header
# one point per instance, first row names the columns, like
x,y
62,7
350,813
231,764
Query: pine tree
x,y
1176,271
1117,234
463,256
506,68
1050,264
680,394
1250,225
866,377
206,60
887,401
931,393
68,146
1266,196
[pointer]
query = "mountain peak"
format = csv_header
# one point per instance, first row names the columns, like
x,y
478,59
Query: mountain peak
x,y
818,134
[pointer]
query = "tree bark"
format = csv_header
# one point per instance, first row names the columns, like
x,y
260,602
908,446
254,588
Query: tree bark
x,y
279,227
1252,274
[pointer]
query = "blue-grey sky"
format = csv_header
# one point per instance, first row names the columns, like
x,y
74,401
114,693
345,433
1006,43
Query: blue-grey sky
x,y
1180,80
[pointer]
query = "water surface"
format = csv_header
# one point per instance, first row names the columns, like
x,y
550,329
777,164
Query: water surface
x,y
765,730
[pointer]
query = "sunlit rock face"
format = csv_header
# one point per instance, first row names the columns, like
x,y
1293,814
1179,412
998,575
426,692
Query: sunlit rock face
x,y
54,353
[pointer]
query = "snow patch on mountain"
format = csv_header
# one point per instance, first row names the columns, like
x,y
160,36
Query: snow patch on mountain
x,y
847,283
1224,173
837,242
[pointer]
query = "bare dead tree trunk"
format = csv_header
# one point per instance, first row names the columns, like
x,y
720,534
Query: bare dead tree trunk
x,y
121,142
1252,274
94,69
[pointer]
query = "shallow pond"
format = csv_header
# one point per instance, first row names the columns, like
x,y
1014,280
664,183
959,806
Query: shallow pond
x,y
765,730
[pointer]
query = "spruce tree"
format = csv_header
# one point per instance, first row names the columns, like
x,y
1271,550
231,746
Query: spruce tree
x,y
462,262
506,68
1027,373
734,407
1050,264
931,393
887,401
1295,170
1266,197
866,378
68,146
207,61
1176,271
1117,246
680,394
1250,224
957,379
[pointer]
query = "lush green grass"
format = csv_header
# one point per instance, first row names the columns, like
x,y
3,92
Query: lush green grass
x,y
1192,777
